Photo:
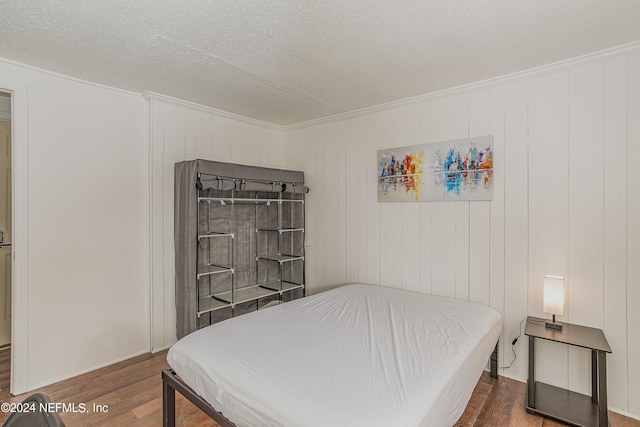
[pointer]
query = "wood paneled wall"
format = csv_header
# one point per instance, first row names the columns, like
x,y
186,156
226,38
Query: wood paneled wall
x,y
180,131
567,202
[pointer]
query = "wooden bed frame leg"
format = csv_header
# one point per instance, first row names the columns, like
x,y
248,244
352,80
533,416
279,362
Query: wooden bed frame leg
x,y
168,404
494,363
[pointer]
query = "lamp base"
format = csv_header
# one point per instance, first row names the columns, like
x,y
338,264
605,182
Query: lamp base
x,y
553,325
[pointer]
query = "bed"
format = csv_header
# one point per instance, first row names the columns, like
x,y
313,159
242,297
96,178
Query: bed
x,y
357,355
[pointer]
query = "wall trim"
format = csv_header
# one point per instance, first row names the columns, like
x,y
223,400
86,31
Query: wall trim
x,y
555,67
563,65
199,107
148,230
5,107
66,77
19,127
92,369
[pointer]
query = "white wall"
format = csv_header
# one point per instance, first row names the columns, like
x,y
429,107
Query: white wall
x,y
86,280
182,131
567,202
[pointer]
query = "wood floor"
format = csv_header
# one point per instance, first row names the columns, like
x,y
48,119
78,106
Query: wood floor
x,y
131,393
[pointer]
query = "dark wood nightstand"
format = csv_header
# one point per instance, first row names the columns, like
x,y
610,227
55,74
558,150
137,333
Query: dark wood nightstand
x,y
564,405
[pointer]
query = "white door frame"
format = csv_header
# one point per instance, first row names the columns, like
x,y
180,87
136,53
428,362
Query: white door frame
x,y
20,168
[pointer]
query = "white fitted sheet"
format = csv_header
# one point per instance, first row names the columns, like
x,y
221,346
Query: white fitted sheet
x,y
358,355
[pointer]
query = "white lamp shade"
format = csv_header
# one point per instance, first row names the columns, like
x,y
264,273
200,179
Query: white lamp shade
x,y
554,295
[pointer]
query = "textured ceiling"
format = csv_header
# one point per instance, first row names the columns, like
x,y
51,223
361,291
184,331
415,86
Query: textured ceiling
x,y
290,61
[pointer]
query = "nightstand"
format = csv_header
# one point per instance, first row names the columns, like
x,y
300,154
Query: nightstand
x,y
564,405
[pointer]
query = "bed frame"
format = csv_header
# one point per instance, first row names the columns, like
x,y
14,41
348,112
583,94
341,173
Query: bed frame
x,y
171,382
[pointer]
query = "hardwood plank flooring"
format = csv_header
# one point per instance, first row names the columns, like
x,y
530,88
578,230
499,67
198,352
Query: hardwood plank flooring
x,y
131,394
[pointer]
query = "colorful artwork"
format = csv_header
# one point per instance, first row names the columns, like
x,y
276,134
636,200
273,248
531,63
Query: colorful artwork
x,y
451,170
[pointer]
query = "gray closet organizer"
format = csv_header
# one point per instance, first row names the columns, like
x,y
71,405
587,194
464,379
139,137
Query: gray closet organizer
x,y
239,240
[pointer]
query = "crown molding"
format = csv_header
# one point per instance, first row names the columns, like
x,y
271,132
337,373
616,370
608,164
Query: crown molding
x,y
154,96
555,67
559,66
66,77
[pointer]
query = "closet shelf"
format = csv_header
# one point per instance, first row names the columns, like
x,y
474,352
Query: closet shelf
x,y
209,303
280,229
209,269
281,258
248,293
251,293
214,234
283,285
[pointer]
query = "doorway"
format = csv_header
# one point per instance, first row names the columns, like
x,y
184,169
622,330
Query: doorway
x,y
5,240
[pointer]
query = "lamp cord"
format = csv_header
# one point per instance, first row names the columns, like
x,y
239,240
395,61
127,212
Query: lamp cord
x,y
513,343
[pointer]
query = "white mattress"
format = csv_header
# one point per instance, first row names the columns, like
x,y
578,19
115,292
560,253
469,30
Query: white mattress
x,y
359,355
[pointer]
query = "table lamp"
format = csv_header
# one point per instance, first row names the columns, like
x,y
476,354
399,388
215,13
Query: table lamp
x,y
554,299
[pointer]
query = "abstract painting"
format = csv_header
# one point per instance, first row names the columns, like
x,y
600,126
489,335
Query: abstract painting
x,y
443,171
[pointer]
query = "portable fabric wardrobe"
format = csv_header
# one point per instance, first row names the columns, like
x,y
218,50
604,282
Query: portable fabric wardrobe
x,y
232,185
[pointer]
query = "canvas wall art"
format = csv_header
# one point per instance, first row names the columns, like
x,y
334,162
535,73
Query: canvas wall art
x,y
443,171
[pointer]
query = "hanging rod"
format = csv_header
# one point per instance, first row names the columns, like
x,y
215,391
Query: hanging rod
x,y
225,200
